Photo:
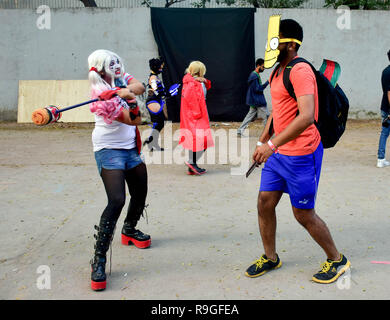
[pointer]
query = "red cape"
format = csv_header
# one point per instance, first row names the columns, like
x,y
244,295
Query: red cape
x,y
195,132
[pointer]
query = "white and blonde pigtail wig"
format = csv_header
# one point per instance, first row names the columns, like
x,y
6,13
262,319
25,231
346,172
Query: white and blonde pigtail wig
x,y
97,61
96,64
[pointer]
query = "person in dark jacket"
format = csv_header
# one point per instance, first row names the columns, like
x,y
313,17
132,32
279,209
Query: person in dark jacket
x,y
385,113
255,98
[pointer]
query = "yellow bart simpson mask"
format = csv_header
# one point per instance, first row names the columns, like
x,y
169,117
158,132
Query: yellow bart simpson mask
x,y
271,49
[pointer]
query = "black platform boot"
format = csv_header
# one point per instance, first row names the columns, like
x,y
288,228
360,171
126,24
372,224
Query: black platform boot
x,y
130,235
98,263
148,140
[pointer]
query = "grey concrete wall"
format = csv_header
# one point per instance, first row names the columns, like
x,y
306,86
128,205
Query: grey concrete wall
x,y
360,50
28,53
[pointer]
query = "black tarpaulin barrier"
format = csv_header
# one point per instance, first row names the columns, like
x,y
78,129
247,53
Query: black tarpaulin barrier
x,y
223,39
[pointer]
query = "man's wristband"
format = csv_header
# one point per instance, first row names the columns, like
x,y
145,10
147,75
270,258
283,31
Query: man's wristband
x,y
271,145
259,143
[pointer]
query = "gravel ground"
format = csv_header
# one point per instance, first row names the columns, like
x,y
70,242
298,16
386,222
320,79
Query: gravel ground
x,y
204,229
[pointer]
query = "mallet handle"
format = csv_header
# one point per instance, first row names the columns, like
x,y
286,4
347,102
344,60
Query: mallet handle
x,y
75,106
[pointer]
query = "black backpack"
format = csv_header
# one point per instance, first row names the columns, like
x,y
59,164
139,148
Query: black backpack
x,y
333,104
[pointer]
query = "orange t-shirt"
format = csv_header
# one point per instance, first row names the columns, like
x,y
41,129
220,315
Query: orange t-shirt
x,y
284,109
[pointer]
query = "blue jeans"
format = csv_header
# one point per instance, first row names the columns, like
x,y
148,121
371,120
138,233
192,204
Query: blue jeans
x,y
383,137
260,112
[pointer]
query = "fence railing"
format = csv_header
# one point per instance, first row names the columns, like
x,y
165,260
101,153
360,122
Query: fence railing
x,y
55,4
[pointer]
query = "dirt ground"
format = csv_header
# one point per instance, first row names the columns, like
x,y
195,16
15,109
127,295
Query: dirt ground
x,y
204,229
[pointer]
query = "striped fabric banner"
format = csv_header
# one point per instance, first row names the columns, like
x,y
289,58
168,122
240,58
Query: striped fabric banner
x,y
331,70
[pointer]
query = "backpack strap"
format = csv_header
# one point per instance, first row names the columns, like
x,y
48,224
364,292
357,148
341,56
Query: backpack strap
x,y
273,73
271,126
286,75
286,78
286,81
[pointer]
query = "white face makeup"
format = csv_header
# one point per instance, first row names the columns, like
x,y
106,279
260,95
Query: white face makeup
x,y
115,67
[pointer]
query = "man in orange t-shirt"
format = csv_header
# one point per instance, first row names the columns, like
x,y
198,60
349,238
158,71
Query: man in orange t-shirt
x,y
293,160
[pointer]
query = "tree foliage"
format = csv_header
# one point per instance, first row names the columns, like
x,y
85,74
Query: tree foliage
x,y
168,3
359,4
352,4
255,3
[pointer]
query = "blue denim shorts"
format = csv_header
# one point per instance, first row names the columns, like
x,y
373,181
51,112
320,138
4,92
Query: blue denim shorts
x,y
121,159
296,175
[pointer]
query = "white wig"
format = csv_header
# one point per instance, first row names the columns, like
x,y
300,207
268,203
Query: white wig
x,y
99,61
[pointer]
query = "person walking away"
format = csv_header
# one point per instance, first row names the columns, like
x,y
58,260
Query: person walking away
x,y
385,113
255,98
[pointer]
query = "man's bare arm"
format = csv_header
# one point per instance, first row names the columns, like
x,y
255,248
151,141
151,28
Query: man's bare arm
x,y
265,136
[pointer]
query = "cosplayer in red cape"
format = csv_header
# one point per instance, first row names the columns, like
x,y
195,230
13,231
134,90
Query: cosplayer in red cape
x,y
195,133
116,144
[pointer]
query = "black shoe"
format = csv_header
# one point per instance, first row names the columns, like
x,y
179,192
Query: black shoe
x,y
130,235
194,168
155,147
191,172
262,265
200,170
332,270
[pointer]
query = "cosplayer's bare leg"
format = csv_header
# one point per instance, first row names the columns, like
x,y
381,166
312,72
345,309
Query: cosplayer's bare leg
x,y
158,118
154,106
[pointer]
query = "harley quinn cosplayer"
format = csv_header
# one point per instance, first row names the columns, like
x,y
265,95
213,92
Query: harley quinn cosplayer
x,y
116,144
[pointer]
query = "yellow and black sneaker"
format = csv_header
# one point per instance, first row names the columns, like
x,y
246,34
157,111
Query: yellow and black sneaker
x,y
261,266
332,270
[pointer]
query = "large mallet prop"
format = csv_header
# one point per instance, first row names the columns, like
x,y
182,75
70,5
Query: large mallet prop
x,y
50,114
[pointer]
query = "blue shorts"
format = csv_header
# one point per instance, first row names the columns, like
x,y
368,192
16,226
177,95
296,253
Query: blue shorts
x,y
296,175
121,159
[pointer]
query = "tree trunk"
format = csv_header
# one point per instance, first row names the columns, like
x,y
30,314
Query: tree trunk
x,y
89,3
168,3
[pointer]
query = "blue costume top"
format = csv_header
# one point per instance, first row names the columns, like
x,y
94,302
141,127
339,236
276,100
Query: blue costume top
x,y
158,94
